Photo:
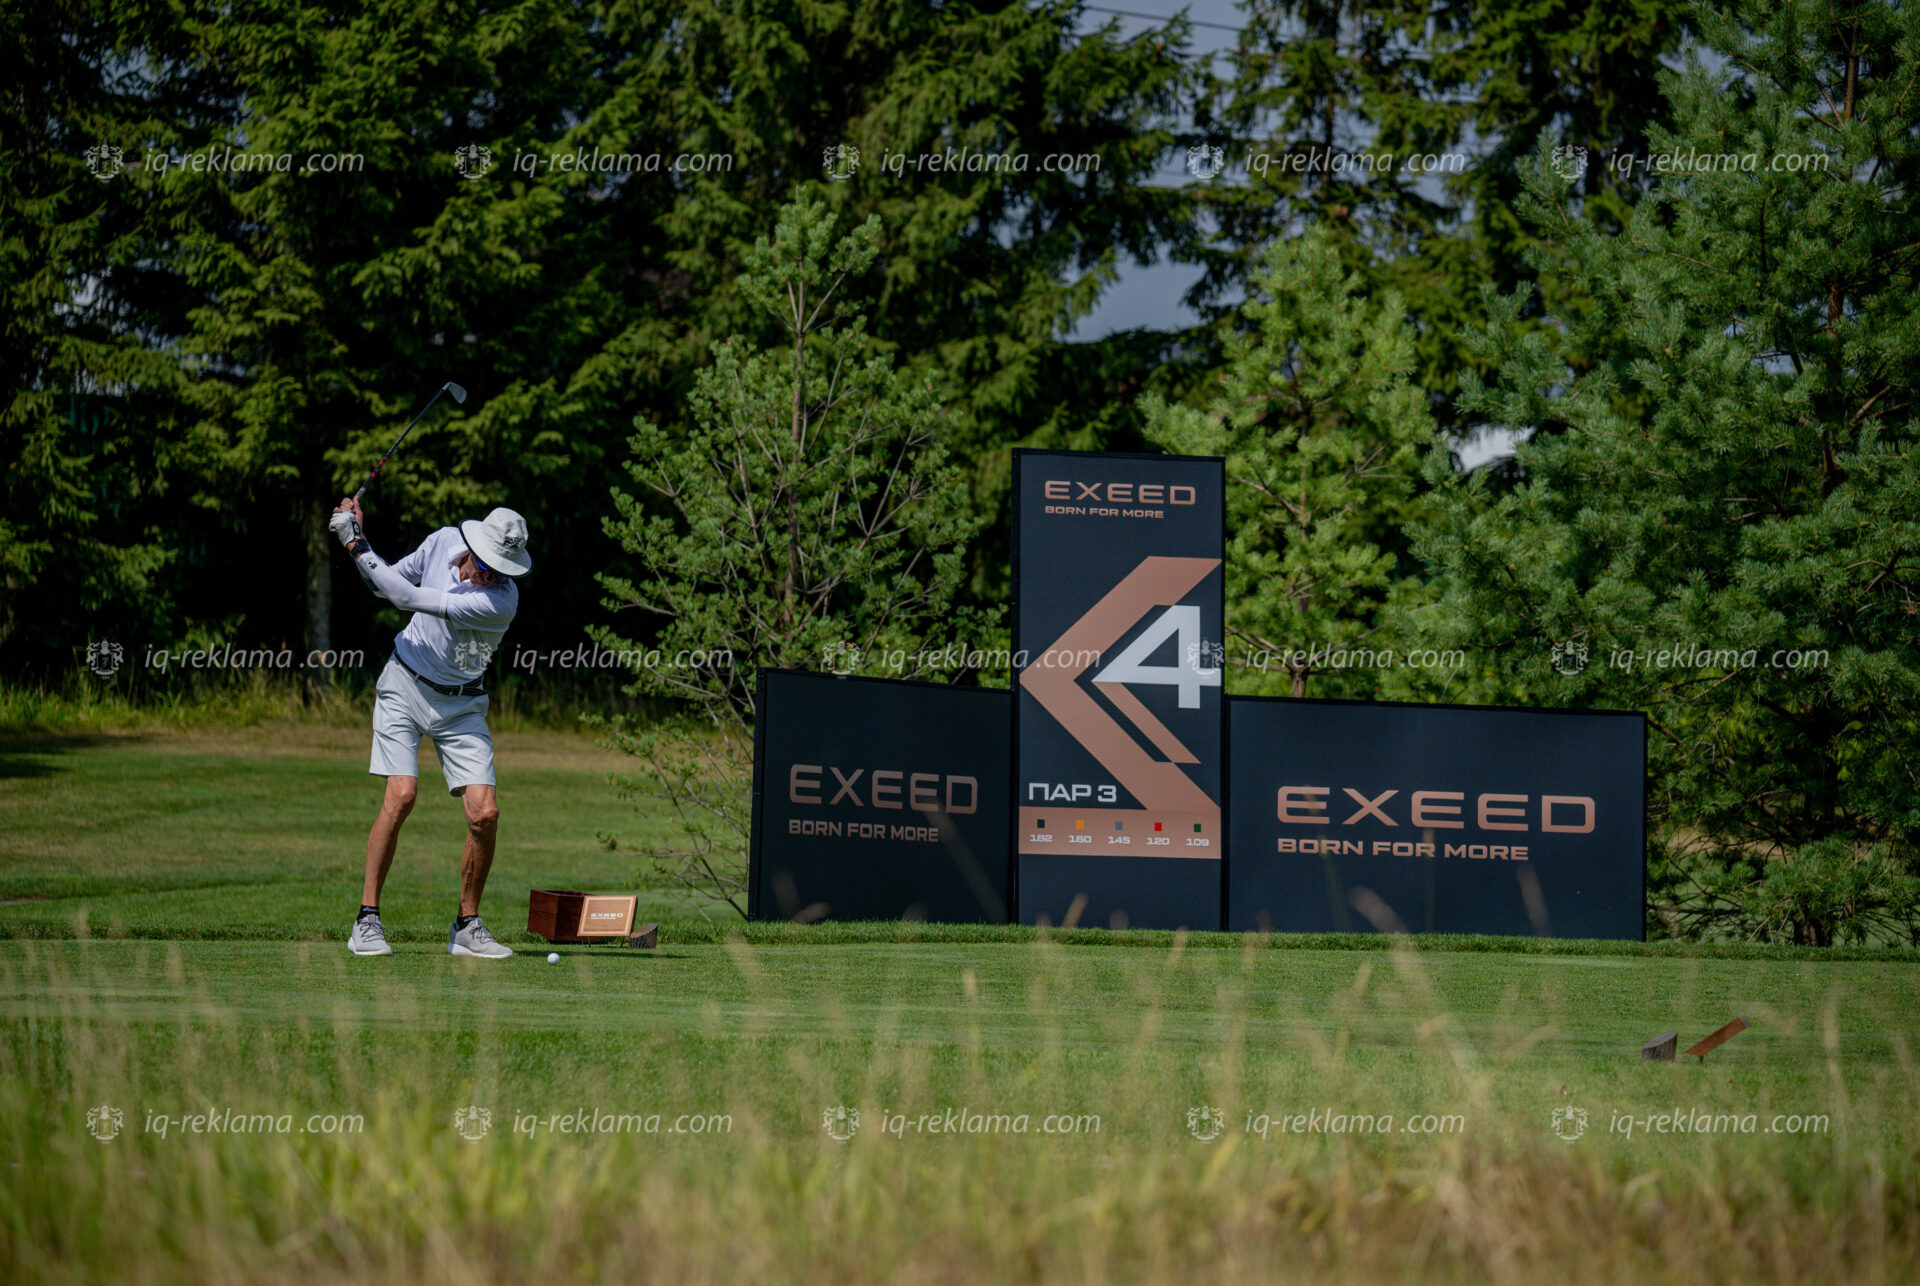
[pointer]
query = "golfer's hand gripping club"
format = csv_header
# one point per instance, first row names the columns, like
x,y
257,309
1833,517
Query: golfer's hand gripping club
x,y
345,526
347,519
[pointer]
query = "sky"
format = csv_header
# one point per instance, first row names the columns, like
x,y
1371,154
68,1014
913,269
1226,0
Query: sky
x,y
1150,294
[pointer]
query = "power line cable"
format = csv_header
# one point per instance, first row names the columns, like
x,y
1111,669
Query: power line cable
x,y
1159,17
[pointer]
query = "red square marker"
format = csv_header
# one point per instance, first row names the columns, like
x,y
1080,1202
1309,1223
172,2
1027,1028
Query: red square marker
x,y
1156,826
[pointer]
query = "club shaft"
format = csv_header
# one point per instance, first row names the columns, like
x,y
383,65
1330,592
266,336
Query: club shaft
x,y
397,441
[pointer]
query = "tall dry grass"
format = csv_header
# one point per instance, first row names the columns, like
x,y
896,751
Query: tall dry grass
x,y
775,1200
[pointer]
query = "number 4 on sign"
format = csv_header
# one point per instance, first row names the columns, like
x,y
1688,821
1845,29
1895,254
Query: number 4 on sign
x,y
1181,622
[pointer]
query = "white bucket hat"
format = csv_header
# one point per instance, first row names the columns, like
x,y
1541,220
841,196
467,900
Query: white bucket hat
x,y
500,541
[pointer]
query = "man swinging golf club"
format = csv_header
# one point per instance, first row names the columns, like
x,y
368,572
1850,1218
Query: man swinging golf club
x,y
459,585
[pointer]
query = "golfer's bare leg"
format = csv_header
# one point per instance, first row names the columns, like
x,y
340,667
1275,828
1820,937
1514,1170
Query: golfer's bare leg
x,y
386,834
483,819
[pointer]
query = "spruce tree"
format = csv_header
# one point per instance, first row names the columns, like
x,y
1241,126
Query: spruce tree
x,y
1428,113
97,480
1716,520
1322,426
289,323
811,519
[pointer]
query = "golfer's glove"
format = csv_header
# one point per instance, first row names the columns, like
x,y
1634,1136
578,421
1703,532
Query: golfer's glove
x,y
347,532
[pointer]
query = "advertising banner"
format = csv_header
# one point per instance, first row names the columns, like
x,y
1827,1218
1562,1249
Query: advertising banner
x,y
1119,728
878,799
1352,815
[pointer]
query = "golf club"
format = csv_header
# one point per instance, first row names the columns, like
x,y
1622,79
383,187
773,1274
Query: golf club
x,y
459,395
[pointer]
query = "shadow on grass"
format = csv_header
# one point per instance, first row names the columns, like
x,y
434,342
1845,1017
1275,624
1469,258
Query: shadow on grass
x,y
26,755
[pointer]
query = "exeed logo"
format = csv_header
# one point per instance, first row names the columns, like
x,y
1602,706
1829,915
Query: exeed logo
x,y
1442,809
1119,493
885,788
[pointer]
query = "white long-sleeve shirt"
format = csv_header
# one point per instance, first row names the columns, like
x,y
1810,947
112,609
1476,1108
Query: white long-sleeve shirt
x,y
456,625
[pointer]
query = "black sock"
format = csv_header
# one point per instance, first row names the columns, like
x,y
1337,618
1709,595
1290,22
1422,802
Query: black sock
x,y
366,911
462,921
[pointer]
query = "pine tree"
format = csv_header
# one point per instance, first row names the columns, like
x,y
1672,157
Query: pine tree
x,y
1716,519
1315,90
811,518
330,303
291,322
96,482
983,268
1428,114
1321,426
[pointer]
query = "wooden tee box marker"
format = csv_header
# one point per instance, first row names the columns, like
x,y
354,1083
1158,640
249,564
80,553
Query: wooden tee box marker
x,y
1660,1048
569,915
1718,1039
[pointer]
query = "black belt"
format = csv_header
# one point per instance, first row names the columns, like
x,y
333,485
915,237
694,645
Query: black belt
x,y
474,689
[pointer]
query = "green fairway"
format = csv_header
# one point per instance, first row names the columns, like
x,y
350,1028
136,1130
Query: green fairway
x,y
1042,1103
262,833
1136,1035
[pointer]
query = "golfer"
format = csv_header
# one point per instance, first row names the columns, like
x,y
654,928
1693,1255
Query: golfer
x,y
459,585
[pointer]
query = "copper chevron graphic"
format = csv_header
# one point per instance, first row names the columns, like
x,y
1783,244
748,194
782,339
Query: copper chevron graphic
x,y
1118,748
1157,785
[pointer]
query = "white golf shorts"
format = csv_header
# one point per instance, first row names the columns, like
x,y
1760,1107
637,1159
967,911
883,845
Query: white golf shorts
x,y
405,710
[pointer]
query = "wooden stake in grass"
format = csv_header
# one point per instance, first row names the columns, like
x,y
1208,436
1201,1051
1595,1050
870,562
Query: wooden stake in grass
x,y
1660,1048
1718,1039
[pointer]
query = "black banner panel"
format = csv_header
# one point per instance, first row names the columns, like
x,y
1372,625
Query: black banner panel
x,y
877,799
1119,643
1442,819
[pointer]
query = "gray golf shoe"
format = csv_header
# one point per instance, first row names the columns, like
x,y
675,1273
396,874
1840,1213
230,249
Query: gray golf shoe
x,y
369,937
474,940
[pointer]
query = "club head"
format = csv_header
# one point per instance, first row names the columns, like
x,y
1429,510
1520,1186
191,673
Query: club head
x,y
459,394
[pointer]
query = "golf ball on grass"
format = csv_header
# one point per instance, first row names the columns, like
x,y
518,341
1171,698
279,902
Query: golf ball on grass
x,y
553,957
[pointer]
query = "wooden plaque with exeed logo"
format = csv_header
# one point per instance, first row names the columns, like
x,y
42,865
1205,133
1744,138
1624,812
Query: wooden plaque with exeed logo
x,y
606,917
568,915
